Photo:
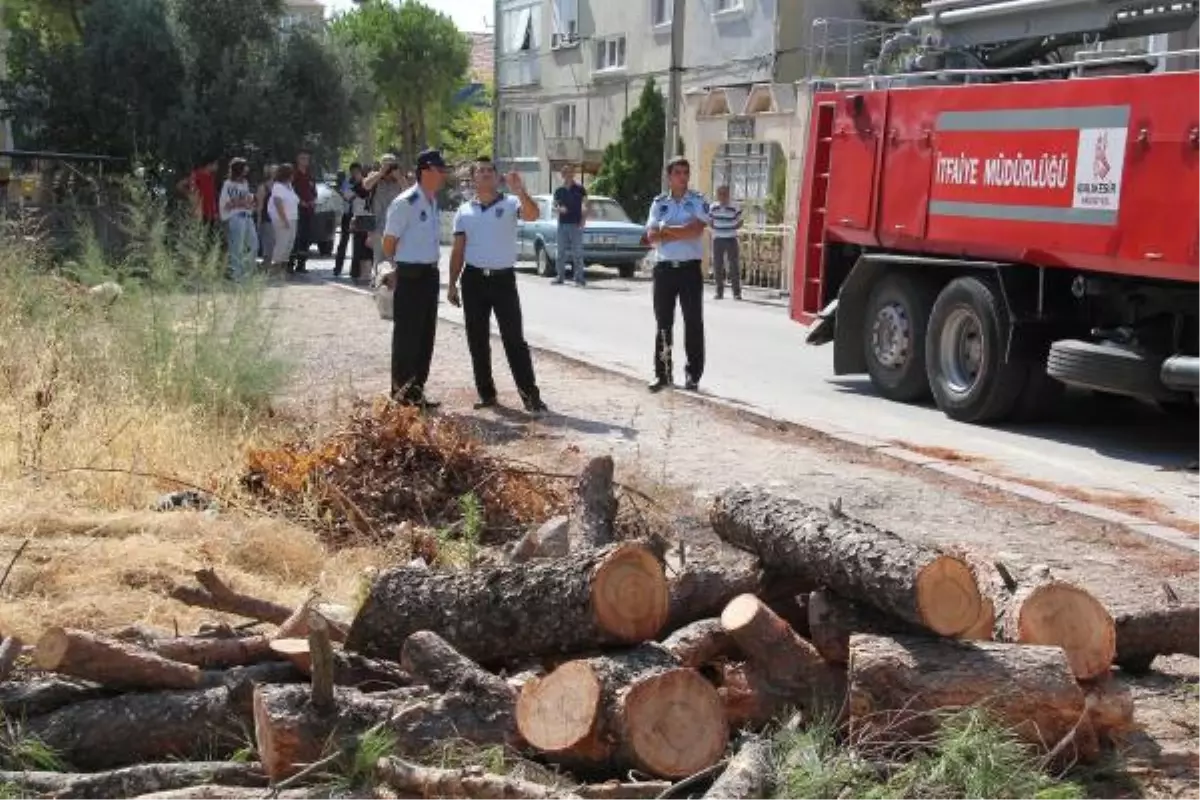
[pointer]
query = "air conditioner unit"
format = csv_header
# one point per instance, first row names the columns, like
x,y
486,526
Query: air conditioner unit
x,y
568,39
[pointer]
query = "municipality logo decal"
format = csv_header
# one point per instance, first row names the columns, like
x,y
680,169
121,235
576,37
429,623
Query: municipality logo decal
x,y
1100,166
499,212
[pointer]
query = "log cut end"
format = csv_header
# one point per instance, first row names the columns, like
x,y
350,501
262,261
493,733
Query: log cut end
x,y
630,594
676,723
51,649
1059,614
296,651
948,598
560,712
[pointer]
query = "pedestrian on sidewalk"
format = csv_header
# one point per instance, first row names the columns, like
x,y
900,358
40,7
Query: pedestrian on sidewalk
x,y
200,188
305,187
411,249
726,222
485,256
676,222
262,198
284,210
237,212
355,197
569,204
383,186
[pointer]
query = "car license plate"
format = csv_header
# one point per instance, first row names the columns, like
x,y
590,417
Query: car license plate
x,y
597,239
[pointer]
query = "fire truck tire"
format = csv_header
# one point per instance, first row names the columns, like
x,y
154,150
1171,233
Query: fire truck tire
x,y
894,322
1107,367
1042,394
965,352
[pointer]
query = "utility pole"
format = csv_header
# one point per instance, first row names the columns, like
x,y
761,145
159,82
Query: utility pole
x,y
675,87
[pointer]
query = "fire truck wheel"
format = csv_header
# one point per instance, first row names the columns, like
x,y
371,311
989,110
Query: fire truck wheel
x,y
965,353
893,334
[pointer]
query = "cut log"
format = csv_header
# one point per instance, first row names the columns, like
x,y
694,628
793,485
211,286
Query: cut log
x,y
10,650
901,686
109,662
704,584
856,560
636,709
788,599
615,790
142,728
832,620
1055,613
1110,704
700,643
137,780
320,656
296,626
349,669
413,780
1144,635
431,658
289,732
749,698
214,791
213,653
548,540
217,596
594,507
748,775
790,665
610,596
22,699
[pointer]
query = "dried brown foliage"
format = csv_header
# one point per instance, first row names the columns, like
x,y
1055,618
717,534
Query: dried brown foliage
x,y
392,464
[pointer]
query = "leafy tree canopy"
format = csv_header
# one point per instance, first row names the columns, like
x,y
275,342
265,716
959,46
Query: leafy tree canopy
x,y
631,172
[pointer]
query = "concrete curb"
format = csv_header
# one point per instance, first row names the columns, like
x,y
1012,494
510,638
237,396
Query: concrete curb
x,y
1133,524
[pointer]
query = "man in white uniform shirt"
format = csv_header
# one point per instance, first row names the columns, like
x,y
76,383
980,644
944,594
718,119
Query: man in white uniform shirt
x,y
412,247
484,254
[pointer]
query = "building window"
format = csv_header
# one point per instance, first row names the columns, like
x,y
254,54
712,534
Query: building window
x,y
749,180
519,26
721,6
564,120
610,53
661,12
519,133
566,19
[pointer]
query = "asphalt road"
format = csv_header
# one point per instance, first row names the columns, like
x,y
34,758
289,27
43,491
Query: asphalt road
x,y
757,358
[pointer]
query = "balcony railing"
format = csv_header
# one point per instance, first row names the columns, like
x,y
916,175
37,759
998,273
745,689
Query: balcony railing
x,y
519,69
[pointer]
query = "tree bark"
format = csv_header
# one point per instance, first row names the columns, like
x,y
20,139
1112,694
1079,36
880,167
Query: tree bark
x,y
704,584
791,666
599,597
320,663
614,790
749,698
1060,614
214,653
213,791
24,699
217,596
142,728
413,780
1144,635
132,781
594,507
349,669
856,560
10,651
832,620
431,658
548,540
700,643
748,775
635,709
112,663
290,732
899,687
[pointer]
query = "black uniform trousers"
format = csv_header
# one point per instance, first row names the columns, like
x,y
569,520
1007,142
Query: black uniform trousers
x,y
343,242
414,328
305,223
680,282
485,292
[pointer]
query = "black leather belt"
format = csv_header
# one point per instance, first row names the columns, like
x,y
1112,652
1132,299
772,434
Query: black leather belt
x,y
415,264
489,273
673,264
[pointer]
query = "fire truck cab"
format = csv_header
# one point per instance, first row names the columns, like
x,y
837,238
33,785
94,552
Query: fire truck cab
x,y
991,217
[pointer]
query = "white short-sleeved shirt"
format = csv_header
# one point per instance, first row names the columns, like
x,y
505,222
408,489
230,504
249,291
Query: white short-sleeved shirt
x,y
233,191
291,201
491,231
672,212
413,219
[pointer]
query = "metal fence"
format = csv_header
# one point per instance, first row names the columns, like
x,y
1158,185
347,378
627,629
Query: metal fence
x,y
766,257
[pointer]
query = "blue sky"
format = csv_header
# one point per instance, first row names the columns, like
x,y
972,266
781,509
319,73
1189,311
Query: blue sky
x,y
468,15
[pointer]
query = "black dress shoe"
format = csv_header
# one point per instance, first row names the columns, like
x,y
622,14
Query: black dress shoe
x,y
487,402
658,385
534,405
692,385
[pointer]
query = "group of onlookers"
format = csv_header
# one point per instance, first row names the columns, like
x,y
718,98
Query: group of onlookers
x,y
367,194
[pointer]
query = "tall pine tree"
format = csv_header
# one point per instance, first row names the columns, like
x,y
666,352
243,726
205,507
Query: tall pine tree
x,y
631,172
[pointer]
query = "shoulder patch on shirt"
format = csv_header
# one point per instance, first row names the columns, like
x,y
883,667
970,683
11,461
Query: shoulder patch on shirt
x,y
499,211
413,198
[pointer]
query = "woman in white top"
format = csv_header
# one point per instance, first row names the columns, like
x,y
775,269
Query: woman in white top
x,y
236,205
284,210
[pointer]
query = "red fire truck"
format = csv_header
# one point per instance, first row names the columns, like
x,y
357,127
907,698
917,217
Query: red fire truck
x,y
996,220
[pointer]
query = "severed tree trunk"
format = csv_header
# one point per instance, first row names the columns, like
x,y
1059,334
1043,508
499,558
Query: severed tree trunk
x,y
431,658
900,686
1144,635
23,699
1056,613
594,508
136,780
748,696
413,780
790,666
702,585
290,732
215,791
142,728
615,790
611,596
112,663
832,620
700,643
749,774
10,651
635,709
349,669
217,596
856,560
212,653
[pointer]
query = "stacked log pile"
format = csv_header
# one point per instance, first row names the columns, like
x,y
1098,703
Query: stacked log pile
x,y
599,657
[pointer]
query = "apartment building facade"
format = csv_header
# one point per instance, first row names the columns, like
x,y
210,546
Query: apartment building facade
x,y
569,71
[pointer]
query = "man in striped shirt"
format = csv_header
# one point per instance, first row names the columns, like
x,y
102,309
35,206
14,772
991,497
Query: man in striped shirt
x,y
726,221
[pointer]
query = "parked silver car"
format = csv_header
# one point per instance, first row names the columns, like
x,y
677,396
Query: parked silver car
x,y
610,238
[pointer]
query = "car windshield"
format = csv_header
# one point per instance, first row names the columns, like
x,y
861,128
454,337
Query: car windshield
x,y
604,210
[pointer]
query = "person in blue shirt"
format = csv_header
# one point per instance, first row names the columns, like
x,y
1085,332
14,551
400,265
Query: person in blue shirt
x,y
484,256
675,226
411,249
572,216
